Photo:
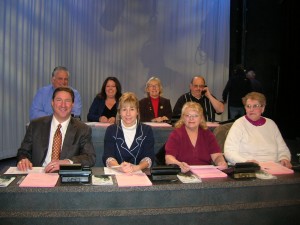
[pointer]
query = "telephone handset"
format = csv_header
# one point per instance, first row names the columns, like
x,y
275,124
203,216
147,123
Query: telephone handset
x,y
204,91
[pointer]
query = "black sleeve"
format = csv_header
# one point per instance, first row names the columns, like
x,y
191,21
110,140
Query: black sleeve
x,y
178,106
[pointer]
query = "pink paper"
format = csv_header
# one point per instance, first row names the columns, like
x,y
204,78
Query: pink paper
x,y
155,124
207,172
102,124
275,168
212,124
40,180
131,180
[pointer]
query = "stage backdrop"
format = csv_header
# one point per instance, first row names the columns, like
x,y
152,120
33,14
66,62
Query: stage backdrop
x,y
130,39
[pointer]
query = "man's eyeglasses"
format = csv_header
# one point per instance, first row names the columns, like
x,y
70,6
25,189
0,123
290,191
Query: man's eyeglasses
x,y
199,86
188,116
256,106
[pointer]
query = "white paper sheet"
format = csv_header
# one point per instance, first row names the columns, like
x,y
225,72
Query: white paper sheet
x,y
14,170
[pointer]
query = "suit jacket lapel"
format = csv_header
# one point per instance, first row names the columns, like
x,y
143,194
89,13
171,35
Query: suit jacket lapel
x,y
45,137
149,105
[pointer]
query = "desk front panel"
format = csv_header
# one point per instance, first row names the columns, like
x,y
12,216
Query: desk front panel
x,y
214,201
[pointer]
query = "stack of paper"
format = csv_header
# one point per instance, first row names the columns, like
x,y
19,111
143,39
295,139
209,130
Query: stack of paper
x,y
275,168
40,180
132,180
156,124
97,124
207,171
212,124
15,170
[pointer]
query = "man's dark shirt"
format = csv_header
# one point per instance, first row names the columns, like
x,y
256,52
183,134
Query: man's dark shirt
x,y
208,109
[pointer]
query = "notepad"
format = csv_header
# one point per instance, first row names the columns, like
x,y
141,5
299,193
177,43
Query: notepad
x,y
188,178
132,180
207,172
15,170
6,180
102,180
40,180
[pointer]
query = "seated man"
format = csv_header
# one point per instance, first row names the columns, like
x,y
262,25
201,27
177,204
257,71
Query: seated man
x,y
41,104
200,93
57,139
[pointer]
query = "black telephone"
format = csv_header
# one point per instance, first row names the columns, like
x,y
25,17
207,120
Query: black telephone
x,y
75,173
243,170
204,91
165,172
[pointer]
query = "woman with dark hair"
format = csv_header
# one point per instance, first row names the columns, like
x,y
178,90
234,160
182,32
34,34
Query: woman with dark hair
x,y
105,104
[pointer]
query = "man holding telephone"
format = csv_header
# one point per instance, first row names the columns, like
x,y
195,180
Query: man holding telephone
x,y
200,93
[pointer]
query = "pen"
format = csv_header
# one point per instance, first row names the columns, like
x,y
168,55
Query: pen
x,y
21,179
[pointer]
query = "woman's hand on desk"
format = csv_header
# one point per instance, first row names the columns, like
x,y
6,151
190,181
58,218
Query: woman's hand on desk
x,y
184,167
127,167
24,164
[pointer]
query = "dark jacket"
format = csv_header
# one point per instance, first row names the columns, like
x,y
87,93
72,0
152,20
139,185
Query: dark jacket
x,y
96,109
116,147
77,145
236,88
146,109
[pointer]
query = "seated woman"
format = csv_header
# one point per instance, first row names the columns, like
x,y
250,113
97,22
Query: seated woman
x,y
128,143
254,138
192,143
155,108
104,106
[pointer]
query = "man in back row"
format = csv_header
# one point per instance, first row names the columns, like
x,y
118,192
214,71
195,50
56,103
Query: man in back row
x,y
201,94
41,104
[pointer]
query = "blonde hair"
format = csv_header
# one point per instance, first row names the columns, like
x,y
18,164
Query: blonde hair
x,y
127,98
159,85
196,107
255,96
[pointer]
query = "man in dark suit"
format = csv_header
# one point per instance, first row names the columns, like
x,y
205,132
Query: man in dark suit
x,y
76,147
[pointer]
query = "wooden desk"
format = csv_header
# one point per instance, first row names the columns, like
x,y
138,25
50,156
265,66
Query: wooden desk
x,y
160,136
214,201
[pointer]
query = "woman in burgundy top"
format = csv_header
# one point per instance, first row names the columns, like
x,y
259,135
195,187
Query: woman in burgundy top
x,y
191,143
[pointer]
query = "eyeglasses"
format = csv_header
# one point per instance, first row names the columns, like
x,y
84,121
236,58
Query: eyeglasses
x,y
256,106
188,116
199,86
153,86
